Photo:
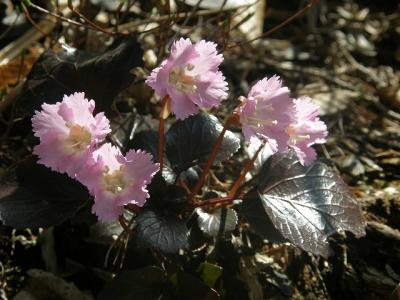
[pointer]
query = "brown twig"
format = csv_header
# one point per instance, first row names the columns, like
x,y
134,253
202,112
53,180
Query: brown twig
x,y
279,26
176,17
92,24
45,11
28,16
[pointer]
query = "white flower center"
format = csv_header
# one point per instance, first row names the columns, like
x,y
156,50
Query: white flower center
x,y
258,117
183,82
78,139
294,137
114,182
259,122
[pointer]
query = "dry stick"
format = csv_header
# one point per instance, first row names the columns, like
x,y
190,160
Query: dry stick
x,y
246,169
92,24
163,115
279,26
28,16
232,118
72,22
177,17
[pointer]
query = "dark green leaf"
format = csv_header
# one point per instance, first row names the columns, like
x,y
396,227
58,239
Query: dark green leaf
x,y
210,273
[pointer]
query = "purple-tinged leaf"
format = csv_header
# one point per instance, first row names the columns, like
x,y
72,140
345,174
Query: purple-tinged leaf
x,y
147,140
190,141
307,204
252,209
165,233
100,76
39,197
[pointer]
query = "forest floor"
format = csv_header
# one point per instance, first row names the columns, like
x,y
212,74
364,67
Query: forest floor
x,y
343,54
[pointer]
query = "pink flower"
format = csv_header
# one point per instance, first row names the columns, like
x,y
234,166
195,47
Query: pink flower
x,y
307,130
115,180
267,112
190,77
68,132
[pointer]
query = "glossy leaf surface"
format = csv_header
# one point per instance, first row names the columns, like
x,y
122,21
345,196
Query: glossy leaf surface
x,y
307,204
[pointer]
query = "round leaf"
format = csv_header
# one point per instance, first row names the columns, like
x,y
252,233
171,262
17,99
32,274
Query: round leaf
x,y
165,233
190,141
210,223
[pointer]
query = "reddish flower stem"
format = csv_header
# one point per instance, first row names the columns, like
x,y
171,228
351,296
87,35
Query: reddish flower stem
x,y
246,169
212,156
236,185
124,225
212,201
163,115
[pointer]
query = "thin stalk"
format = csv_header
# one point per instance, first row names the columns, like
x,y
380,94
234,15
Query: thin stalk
x,y
125,226
232,118
246,169
279,26
163,115
212,201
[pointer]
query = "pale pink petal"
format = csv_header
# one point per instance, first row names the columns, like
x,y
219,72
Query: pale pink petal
x,y
190,77
68,133
109,155
306,109
91,175
106,208
268,86
208,59
115,180
307,130
182,51
267,112
80,109
158,79
49,151
140,166
48,121
210,92
181,105
136,194
305,154
101,127
248,132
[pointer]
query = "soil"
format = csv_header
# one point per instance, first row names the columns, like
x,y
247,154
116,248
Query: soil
x,y
346,56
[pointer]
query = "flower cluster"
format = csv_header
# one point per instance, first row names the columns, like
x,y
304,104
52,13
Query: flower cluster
x,y
268,113
70,142
191,79
72,137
